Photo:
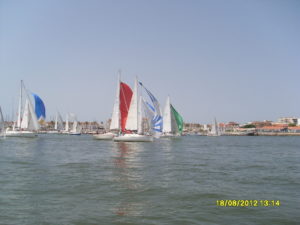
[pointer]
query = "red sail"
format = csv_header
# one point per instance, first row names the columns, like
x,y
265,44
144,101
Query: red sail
x,y
125,99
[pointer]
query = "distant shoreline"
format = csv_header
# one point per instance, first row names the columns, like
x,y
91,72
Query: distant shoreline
x,y
263,134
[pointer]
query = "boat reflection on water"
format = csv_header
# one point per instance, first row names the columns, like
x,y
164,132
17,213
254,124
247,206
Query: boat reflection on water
x,y
127,156
128,175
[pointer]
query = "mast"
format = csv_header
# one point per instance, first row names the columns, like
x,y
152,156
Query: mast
x,y
216,127
140,117
1,122
119,103
116,117
20,106
55,125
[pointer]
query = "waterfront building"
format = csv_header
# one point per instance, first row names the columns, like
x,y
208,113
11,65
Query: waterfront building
x,y
231,126
274,129
295,129
259,124
288,120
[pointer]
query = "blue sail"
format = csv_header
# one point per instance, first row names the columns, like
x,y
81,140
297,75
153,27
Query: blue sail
x,y
157,121
40,109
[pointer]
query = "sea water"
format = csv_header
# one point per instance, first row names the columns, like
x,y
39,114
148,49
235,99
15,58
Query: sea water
x,y
61,179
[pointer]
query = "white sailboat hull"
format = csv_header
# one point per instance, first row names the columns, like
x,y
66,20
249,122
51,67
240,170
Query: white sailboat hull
x,y
20,133
133,138
170,135
105,136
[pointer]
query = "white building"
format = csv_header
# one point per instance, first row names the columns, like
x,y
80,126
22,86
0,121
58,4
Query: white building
x,y
288,120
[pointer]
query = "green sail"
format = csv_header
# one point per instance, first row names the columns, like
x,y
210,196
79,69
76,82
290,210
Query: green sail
x,y
178,118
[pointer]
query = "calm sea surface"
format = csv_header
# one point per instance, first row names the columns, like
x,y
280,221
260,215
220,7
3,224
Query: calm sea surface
x,y
57,179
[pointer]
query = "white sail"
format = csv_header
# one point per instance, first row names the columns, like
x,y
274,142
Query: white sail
x,y
215,131
140,116
115,119
169,121
132,119
55,124
167,118
25,118
2,130
33,121
67,123
74,128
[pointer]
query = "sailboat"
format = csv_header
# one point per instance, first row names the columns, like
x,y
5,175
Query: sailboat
x,y
76,129
215,131
2,127
26,125
152,113
58,124
132,129
120,112
172,121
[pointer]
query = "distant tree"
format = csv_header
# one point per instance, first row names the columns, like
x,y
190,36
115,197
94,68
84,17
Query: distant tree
x,y
292,125
249,126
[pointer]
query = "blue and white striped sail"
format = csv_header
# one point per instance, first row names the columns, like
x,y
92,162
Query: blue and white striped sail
x,y
40,109
157,122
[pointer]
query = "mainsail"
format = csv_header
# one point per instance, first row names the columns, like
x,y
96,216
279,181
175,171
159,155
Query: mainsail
x,y
168,126
75,122
215,129
132,120
67,123
26,116
58,122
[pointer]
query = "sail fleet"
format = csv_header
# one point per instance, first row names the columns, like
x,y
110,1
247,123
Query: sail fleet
x,y
136,117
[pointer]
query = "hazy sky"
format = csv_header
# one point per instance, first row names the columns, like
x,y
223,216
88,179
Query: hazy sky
x,y
236,60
